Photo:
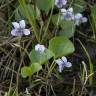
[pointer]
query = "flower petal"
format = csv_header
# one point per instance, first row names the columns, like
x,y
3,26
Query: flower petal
x,y
22,24
78,16
68,64
60,68
26,31
16,32
70,10
64,2
13,32
16,25
59,62
63,11
64,59
40,48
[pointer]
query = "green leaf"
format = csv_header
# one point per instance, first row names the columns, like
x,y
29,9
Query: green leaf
x,y
30,70
37,57
78,5
26,71
56,19
45,5
61,46
35,67
68,28
20,12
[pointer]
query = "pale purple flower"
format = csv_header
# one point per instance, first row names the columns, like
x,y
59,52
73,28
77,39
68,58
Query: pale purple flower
x,y
40,48
60,3
67,14
79,19
62,62
19,29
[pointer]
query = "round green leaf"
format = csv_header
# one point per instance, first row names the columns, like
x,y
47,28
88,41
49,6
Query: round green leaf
x,y
26,71
35,67
45,5
61,46
37,57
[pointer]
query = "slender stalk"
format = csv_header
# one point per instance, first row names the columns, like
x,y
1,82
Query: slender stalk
x,y
90,62
31,19
45,33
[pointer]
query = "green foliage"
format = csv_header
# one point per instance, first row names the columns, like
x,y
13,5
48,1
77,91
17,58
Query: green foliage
x,y
45,5
56,19
61,46
20,14
32,19
41,58
30,70
78,5
35,67
26,71
68,28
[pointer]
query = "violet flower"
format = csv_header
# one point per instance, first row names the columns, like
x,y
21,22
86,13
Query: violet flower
x,y
40,48
19,29
62,62
79,19
67,14
60,3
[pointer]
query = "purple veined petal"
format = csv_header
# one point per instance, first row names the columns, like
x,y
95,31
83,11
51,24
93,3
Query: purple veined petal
x,y
26,31
59,62
22,24
58,3
16,25
64,2
40,48
69,16
14,32
78,16
83,19
64,59
37,47
60,68
68,64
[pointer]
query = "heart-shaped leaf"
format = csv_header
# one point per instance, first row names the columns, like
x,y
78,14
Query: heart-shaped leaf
x,y
61,46
26,71
37,57
68,28
35,67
